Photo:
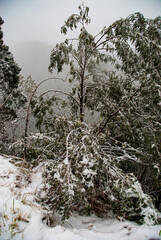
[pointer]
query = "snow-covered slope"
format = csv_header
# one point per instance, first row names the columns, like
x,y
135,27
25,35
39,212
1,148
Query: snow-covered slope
x,y
21,216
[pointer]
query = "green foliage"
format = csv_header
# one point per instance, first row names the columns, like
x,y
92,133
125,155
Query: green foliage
x,y
160,233
134,204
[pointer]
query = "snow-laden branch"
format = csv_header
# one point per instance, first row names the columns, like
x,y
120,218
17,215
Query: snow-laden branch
x,y
61,92
28,110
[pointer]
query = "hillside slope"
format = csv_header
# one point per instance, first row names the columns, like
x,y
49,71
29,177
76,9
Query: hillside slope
x,y
21,216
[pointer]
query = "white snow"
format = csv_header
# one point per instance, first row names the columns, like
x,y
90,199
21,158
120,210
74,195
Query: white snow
x,y
21,216
66,161
85,160
87,172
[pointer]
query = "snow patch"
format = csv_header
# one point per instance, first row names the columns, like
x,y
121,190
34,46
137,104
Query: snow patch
x,y
21,216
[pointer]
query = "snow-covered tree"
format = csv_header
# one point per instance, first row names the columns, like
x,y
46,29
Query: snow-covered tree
x,y
10,97
17,127
130,45
115,77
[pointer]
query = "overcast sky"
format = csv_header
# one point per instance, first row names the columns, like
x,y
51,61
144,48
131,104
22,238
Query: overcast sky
x,y
41,19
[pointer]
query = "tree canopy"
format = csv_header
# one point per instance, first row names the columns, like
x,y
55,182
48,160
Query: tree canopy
x,y
131,46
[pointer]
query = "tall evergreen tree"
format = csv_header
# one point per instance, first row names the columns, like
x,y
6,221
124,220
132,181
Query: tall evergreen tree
x,y
10,97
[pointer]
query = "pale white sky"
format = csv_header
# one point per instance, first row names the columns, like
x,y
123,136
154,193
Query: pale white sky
x,y
41,19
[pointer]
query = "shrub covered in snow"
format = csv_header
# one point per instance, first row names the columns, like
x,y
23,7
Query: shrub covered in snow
x,y
135,205
87,180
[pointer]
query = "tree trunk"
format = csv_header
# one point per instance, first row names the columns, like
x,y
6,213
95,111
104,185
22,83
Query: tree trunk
x,y
82,98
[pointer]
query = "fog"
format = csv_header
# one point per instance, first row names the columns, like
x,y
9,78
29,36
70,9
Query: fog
x,y
41,20
32,27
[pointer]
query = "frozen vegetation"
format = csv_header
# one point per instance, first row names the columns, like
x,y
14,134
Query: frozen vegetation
x,y
23,218
85,160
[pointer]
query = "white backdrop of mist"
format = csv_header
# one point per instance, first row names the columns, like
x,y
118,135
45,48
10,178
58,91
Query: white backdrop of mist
x,y
41,19
32,27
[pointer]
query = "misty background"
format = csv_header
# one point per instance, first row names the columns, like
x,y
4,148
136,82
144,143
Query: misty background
x,y
32,27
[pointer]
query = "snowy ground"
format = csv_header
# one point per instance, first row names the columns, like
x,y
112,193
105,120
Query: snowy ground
x,y
21,216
